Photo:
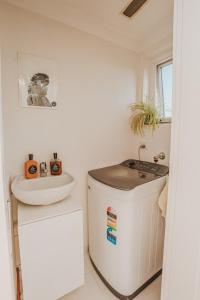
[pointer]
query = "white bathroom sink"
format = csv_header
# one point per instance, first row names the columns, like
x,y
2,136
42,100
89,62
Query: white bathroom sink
x,y
42,190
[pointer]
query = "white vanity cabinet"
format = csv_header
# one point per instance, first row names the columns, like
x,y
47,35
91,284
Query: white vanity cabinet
x,y
51,249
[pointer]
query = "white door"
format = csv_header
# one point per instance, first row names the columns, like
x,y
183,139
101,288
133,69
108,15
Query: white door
x,y
181,275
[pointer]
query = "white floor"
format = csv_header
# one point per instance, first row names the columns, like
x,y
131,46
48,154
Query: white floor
x,y
94,289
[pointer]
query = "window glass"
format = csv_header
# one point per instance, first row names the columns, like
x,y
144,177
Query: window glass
x,y
164,73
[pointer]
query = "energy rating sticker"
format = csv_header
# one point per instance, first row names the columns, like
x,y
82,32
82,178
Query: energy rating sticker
x,y
111,226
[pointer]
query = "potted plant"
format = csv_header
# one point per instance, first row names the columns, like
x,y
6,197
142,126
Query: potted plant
x,y
144,115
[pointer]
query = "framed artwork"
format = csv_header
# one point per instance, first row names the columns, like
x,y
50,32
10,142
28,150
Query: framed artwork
x,y
37,82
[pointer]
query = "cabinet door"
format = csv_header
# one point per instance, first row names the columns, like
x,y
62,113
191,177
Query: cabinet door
x,y
51,253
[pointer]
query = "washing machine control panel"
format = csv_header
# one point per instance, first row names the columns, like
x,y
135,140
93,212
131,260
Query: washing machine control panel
x,y
145,166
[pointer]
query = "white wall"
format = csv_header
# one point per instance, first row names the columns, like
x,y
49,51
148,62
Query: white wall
x,y
159,141
181,276
97,81
156,142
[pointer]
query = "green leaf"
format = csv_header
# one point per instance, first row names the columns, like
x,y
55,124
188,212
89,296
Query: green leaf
x,y
143,115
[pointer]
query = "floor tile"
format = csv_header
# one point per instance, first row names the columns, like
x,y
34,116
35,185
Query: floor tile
x,y
152,292
89,291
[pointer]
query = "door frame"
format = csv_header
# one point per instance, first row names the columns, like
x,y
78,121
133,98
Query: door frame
x,y
181,269
7,290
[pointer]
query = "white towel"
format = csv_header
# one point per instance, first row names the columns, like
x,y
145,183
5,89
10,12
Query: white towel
x,y
162,201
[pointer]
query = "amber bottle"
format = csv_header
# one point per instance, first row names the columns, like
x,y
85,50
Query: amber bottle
x,y
56,165
31,168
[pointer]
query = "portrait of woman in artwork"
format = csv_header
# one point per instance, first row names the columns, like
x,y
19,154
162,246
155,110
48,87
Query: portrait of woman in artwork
x,y
37,90
37,82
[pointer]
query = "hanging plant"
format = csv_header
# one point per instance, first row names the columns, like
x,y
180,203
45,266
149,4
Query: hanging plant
x,y
143,116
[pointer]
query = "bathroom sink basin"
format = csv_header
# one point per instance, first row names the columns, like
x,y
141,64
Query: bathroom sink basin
x,y
42,190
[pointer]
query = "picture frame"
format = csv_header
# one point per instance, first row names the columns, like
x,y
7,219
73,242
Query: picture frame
x,y
37,82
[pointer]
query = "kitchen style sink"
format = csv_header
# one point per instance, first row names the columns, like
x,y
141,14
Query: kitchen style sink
x,y
42,190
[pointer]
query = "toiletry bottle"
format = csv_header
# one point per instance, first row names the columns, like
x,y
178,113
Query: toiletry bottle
x,y
56,165
31,168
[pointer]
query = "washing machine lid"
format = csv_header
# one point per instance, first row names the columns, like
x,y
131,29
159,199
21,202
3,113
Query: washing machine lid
x,y
129,174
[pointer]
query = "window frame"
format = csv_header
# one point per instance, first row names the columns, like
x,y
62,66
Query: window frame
x,y
159,87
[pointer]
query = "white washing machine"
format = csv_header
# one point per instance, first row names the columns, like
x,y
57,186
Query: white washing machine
x,y
126,230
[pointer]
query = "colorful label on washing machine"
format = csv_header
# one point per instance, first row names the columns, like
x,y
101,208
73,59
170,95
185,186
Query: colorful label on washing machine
x,y
111,226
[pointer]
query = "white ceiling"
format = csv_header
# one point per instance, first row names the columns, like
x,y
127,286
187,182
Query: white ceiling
x,y
150,26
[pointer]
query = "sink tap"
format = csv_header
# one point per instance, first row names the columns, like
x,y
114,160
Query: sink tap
x,y
161,155
43,169
142,146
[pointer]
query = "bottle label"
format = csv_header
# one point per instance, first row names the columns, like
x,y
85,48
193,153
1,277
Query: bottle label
x,y
56,168
32,169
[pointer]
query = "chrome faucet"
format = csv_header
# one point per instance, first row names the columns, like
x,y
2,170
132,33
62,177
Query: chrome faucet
x,y
142,146
43,169
161,155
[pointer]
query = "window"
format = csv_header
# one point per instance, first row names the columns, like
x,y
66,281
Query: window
x,y
164,88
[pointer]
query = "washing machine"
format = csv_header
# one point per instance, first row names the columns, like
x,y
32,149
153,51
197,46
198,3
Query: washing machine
x,y
126,230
